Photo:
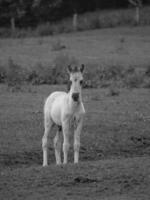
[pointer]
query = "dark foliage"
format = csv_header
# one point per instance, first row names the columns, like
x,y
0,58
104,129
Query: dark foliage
x,y
27,13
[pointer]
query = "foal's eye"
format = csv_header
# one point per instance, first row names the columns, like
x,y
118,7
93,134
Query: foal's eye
x,y
70,83
81,82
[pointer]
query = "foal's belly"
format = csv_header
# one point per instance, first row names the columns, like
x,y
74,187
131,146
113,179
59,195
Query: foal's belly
x,y
56,114
56,108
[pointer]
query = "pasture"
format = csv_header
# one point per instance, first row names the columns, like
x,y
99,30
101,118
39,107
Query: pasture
x,y
122,46
115,141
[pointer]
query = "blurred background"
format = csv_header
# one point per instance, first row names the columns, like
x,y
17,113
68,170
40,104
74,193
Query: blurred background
x,y
42,15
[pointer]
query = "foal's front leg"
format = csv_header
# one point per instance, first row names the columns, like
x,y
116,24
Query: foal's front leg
x,y
66,135
77,133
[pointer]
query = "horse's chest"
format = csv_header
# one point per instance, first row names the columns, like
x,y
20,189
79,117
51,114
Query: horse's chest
x,y
73,122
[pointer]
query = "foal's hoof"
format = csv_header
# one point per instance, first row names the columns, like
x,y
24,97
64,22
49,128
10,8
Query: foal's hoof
x,y
45,165
58,164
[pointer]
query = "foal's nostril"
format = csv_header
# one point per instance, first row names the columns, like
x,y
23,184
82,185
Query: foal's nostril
x,y
75,96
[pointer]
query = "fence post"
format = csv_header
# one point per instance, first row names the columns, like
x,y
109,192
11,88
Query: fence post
x,y
75,21
137,4
137,15
13,27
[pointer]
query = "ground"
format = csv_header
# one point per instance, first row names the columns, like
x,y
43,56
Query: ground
x,y
114,156
115,141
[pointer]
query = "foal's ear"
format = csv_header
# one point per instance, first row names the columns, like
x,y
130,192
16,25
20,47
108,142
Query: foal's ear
x,y
82,68
69,69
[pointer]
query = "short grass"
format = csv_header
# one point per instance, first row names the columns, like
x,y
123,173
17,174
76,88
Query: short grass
x,y
114,155
122,46
115,179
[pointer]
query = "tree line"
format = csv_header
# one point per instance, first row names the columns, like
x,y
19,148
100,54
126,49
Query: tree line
x,y
30,13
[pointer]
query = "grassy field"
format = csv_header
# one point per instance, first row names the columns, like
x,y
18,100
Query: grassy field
x,y
114,152
124,46
115,141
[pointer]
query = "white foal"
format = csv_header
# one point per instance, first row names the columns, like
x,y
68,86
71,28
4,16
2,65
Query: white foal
x,y
61,109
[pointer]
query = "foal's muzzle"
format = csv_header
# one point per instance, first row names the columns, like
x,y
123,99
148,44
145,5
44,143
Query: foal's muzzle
x,y
75,96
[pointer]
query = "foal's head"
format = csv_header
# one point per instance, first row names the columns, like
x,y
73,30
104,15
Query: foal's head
x,y
76,81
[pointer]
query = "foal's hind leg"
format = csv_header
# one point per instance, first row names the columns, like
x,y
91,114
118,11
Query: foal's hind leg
x,y
57,146
48,126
